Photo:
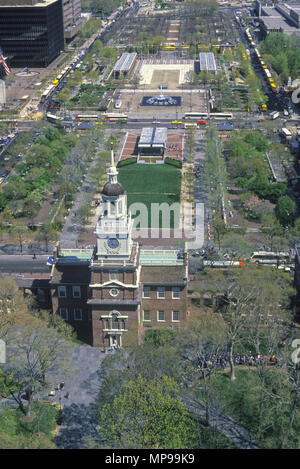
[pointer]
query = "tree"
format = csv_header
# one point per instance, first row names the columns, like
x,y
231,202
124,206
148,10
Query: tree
x,y
19,232
219,228
13,308
271,229
201,342
148,414
47,233
284,210
31,353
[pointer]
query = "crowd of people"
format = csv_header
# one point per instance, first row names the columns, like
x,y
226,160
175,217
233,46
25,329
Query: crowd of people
x,y
249,360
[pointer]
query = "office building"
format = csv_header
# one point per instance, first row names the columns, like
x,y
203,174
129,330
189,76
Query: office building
x,y
31,31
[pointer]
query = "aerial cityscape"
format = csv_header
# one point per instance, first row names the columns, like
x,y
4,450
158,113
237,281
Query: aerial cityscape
x,y
149,227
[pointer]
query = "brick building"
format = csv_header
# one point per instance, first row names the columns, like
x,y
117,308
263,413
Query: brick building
x,y
118,286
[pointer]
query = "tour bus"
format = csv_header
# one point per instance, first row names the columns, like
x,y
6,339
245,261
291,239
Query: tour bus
x,y
53,118
86,117
285,133
223,264
114,116
196,115
220,115
271,258
47,93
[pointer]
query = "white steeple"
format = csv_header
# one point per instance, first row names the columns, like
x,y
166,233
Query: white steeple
x,y
112,171
114,226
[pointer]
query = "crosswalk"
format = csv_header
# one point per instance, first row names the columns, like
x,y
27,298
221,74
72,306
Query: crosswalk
x,y
170,61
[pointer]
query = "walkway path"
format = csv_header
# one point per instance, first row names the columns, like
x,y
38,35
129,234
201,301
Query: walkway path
x,y
237,434
78,411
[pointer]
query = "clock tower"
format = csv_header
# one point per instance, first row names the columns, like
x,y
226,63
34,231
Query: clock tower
x,y
115,296
114,225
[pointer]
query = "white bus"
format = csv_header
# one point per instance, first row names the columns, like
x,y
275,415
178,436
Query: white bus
x,y
195,115
218,264
86,117
115,116
220,115
271,258
53,118
285,133
47,93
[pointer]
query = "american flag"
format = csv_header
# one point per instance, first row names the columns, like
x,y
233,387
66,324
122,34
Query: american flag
x,y
2,60
208,229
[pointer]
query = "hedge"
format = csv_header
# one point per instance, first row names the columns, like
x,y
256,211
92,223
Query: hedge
x,y
176,163
127,162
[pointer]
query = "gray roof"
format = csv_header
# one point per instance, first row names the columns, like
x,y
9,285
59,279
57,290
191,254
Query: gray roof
x,y
164,275
270,11
207,61
113,190
125,62
153,137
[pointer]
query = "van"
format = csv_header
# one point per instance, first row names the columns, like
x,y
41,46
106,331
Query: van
x,y
190,125
118,103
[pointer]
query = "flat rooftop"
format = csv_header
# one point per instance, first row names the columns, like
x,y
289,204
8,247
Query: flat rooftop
x,y
26,3
125,62
270,11
161,257
153,137
207,61
74,256
278,23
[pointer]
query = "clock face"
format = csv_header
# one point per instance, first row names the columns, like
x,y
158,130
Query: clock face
x,y
113,243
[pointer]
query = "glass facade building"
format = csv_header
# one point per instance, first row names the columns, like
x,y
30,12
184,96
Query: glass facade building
x,y
31,35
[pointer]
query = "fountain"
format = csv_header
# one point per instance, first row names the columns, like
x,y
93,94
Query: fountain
x,y
161,100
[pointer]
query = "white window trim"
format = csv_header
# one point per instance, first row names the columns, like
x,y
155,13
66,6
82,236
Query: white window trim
x,y
74,287
77,319
149,293
61,288
157,294
66,311
176,297
175,320
146,320
161,320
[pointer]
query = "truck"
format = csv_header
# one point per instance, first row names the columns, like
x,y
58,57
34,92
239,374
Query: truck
x,y
274,114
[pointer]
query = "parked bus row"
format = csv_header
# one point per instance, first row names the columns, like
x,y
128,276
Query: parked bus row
x,y
202,116
282,260
267,74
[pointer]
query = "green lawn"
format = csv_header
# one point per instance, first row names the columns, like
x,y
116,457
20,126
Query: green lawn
x,y
17,432
152,183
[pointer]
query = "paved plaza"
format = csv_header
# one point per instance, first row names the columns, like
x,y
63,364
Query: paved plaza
x,y
173,74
